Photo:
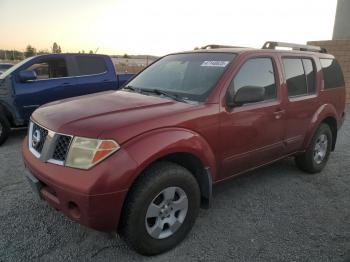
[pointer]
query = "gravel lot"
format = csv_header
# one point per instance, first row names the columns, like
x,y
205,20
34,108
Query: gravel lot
x,y
276,213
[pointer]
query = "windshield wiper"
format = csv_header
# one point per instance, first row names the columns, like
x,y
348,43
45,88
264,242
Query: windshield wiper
x,y
130,88
155,91
164,93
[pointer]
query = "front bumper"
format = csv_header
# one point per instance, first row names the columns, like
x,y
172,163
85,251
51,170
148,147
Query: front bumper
x,y
93,198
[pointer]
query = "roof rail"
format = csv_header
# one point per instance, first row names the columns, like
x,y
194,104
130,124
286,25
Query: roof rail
x,y
310,48
219,46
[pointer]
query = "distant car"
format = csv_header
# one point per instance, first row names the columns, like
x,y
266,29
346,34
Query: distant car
x,y
142,160
46,78
4,67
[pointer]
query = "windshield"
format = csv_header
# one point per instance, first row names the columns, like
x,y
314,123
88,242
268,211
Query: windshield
x,y
191,76
13,68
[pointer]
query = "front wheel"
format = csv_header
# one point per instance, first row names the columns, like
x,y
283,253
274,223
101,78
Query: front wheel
x,y
316,156
160,209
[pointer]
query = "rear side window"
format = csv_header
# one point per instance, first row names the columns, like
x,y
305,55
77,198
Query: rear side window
x,y
332,73
257,72
300,76
90,65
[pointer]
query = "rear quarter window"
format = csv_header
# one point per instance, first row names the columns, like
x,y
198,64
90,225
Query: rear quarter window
x,y
90,65
332,73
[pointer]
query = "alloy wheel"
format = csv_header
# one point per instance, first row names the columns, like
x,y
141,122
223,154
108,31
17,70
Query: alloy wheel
x,y
166,213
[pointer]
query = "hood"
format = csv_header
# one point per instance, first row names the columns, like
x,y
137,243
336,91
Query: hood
x,y
118,114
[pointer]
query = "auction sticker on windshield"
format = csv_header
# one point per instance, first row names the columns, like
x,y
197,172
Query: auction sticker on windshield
x,y
215,63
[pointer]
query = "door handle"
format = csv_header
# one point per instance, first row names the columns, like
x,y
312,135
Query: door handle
x,y
278,114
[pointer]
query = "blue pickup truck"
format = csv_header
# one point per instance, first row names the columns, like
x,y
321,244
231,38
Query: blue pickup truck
x,y
46,78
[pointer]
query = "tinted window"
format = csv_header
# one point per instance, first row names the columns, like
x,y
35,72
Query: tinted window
x,y
310,75
91,65
256,72
332,73
51,68
191,76
5,66
296,80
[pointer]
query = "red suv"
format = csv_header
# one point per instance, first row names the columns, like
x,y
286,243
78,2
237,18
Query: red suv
x,y
143,160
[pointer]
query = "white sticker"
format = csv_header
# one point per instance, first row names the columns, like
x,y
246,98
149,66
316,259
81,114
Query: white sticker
x,y
215,63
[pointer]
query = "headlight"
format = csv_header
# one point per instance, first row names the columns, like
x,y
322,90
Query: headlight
x,y
86,152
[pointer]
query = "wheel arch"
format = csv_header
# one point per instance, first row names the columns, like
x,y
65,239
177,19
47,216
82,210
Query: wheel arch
x,y
325,114
180,146
4,111
332,123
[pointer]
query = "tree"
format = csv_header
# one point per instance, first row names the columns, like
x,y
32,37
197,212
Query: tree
x,y
56,49
125,56
91,52
30,51
43,52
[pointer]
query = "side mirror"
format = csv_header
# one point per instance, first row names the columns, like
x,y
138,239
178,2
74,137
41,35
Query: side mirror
x,y
27,75
245,95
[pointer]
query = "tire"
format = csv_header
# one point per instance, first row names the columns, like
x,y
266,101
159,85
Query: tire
x,y
4,129
152,187
308,161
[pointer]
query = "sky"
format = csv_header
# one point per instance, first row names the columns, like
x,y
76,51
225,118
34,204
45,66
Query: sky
x,y
158,27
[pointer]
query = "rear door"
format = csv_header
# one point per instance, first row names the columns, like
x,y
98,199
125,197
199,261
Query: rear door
x,y
252,134
53,83
300,81
95,73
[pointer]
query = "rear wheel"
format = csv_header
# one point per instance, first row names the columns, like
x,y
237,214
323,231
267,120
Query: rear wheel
x,y
316,156
160,209
4,129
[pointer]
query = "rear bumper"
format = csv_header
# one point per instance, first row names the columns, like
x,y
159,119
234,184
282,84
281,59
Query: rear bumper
x,y
69,193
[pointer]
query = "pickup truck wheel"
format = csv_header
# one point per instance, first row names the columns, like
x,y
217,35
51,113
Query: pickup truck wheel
x,y
316,156
161,208
4,129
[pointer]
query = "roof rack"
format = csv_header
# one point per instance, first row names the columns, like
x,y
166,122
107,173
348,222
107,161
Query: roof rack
x,y
219,46
310,48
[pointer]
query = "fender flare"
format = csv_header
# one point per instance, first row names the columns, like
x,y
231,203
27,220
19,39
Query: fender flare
x,y
323,112
11,114
4,110
154,145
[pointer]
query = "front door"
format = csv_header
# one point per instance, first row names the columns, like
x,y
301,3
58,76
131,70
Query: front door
x,y
53,83
252,134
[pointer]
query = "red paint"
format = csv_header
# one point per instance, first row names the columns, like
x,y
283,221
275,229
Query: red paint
x,y
229,141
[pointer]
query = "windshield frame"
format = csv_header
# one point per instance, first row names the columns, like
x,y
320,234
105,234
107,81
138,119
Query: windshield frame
x,y
203,97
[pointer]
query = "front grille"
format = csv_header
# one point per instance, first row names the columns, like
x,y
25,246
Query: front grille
x,y
62,147
39,136
56,145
